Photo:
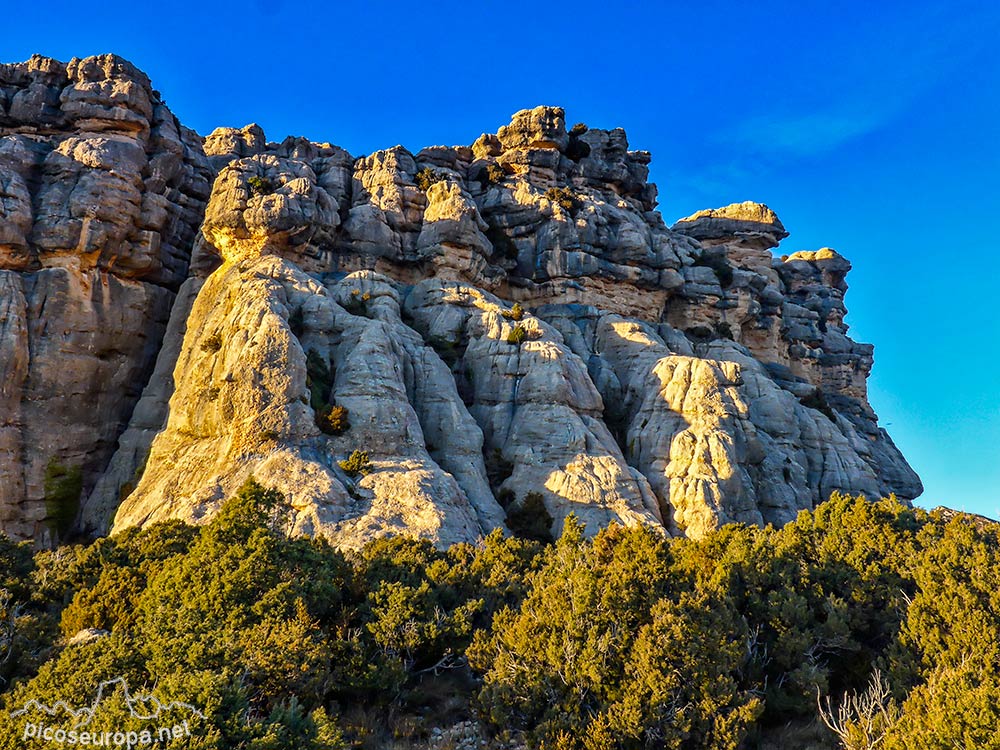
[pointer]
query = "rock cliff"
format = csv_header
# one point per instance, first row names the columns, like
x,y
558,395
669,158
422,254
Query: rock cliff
x,y
508,330
102,192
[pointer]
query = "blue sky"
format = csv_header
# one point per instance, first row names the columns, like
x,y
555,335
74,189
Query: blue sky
x,y
873,128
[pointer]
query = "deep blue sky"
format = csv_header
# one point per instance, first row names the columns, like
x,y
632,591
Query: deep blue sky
x,y
873,128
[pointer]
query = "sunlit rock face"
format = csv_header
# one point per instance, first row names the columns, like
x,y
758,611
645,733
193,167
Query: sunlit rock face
x,y
514,332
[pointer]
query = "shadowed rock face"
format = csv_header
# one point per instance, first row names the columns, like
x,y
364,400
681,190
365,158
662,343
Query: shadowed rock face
x,y
101,195
681,377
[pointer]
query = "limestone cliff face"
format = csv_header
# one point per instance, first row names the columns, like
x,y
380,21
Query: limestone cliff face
x,y
101,196
508,329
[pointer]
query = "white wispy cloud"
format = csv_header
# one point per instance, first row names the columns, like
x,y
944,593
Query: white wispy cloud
x,y
803,134
932,44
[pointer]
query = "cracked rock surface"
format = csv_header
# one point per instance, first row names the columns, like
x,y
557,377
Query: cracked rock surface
x,y
509,330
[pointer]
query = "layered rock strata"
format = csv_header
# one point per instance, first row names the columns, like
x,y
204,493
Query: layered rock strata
x,y
102,192
508,330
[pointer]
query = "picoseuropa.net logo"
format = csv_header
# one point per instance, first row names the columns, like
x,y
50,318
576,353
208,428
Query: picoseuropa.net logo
x,y
116,718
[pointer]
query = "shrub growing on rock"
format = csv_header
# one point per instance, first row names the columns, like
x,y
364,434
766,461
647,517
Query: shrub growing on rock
x,y
517,335
516,312
260,185
565,198
357,463
333,420
493,174
427,177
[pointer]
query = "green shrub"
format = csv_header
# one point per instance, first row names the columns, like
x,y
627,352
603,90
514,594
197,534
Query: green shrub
x,y
357,463
624,641
260,185
492,174
108,604
427,177
357,303
333,420
608,650
516,312
578,129
565,198
517,335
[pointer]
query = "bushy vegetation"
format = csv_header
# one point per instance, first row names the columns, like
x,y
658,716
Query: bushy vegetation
x,y
625,640
260,185
516,312
358,463
357,303
565,198
492,174
331,419
517,335
427,177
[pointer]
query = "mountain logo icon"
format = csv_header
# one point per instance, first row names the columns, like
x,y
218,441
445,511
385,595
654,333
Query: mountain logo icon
x,y
141,706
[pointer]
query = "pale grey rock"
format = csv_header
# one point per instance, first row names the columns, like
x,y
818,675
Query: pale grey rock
x,y
679,377
249,413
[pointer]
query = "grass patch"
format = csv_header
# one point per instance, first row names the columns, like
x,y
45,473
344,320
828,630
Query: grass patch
x,y
516,312
565,198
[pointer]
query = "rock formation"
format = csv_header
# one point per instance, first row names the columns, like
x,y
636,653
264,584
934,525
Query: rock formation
x,y
508,330
101,196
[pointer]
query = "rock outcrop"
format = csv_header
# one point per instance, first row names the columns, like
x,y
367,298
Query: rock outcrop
x,y
508,330
102,192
